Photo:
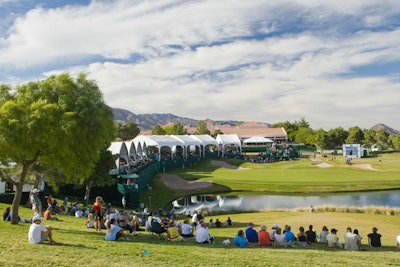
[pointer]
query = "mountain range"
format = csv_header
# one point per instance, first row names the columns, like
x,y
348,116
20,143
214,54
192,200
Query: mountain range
x,y
148,121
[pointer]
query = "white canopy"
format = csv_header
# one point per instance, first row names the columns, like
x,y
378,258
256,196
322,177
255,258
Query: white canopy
x,y
257,140
228,139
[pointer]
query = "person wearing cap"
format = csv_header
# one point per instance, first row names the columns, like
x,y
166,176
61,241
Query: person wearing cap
x,y
251,234
273,231
332,240
264,238
39,233
374,239
36,203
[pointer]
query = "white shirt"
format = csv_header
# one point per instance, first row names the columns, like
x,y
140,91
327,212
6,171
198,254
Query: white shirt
x,y
202,235
398,239
280,239
350,241
35,233
186,229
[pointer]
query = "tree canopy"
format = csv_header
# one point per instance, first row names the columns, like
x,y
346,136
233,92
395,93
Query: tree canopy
x,y
60,122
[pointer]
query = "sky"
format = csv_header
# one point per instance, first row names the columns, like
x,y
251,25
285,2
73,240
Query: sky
x,y
335,63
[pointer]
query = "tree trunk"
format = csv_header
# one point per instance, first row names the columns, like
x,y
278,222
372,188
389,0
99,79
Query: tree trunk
x,y
18,193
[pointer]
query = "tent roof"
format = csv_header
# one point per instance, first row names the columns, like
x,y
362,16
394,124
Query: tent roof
x,y
187,139
205,139
228,139
118,148
258,140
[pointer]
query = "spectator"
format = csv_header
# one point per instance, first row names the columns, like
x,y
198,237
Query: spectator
x,y
218,223
374,239
65,205
89,223
398,243
290,238
264,238
350,241
358,238
302,237
123,202
203,235
114,232
229,221
36,203
240,240
173,232
39,233
49,201
251,234
324,233
280,239
273,231
311,235
187,228
98,204
332,240
211,223
6,214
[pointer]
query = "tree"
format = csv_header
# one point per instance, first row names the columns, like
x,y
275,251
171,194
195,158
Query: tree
x,y
356,135
174,129
60,122
157,130
369,137
304,135
395,140
320,139
336,137
127,131
202,128
216,133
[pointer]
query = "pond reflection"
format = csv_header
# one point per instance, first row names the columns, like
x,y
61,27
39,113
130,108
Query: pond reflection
x,y
263,202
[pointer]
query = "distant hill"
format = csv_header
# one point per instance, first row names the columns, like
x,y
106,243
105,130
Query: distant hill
x,y
148,121
386,128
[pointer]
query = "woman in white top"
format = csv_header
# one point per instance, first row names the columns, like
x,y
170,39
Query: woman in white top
x,y
187,228
280,239
323,235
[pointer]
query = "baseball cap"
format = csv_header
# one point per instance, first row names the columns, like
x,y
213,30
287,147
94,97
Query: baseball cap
x,y
36,218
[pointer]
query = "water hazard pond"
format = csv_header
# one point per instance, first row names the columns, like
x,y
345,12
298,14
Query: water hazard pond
x,y
264,202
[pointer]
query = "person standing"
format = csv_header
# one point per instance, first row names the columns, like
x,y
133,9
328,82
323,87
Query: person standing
x,y
374,239
39,233
65,205
123,202
97,206
36,203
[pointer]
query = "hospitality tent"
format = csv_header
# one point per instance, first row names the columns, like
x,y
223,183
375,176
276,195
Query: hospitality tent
x,y
225,140
257,140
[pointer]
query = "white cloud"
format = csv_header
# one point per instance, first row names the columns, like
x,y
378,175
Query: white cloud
x,y
264,61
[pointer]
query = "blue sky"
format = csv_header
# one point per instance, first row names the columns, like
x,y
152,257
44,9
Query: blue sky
x,y
335,63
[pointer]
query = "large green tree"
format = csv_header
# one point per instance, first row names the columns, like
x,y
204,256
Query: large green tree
x,y
61,122
174,129
157,130
356,135
202,128
127,131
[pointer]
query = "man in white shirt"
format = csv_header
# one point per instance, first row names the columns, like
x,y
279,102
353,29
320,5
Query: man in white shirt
x,y
350,241
202,234
39,233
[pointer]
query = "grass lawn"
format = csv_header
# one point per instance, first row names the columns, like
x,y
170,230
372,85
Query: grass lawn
x,y
77,246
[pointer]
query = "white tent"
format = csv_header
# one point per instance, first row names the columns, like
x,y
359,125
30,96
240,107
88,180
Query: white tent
x,y
257,140
225,140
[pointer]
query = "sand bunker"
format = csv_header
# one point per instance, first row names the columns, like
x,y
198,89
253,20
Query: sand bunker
x,y
176,182
324,165
223,164
364,166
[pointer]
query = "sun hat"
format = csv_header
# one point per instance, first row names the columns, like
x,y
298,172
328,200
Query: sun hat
x,y
275,226
264,227
36,218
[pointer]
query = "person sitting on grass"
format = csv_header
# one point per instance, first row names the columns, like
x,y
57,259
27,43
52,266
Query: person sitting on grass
x,y
264,238
240,240
289,235
324,233
302,237
311,235
398,243
279,239
187,228
173,232
332,240
89,223
202,234
374,239
114,232
39,233
251,234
